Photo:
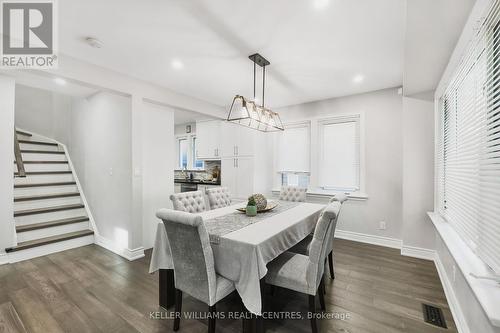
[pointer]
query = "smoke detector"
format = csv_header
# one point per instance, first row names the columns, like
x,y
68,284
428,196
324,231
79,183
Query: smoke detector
x,y
94,42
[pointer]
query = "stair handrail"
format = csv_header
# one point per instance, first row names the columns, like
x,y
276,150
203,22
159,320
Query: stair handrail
x,y
21,172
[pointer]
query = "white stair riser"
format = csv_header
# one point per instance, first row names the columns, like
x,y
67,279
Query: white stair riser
x,y
33,204
21,136
43,190
53,231
43,157
50,248
34,146
45,167
36,179
38,218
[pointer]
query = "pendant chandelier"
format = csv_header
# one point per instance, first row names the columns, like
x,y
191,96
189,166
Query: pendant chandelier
x,y
248,113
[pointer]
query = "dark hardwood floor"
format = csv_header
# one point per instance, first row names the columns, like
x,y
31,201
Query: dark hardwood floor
x,y
90,289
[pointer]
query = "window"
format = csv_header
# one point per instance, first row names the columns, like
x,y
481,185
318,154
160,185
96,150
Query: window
x,y
295,179
197,164
293,154
339,154
468,160
183,153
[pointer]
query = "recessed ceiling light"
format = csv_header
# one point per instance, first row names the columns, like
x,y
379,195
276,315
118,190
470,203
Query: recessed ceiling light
x,y
94,42
358,78
321,4
59,81
177,64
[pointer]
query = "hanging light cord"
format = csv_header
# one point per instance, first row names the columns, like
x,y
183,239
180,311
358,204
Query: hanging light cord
x,y
263,83
254,71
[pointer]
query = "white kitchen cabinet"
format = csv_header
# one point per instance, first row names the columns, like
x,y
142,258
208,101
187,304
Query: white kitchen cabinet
x,y
236,140
208,135
237,173
228,174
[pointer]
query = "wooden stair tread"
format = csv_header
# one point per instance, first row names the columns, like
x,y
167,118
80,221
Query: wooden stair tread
x,y
44,184
35,151
44,162
47,210
28,173
50,224
23,133
49,240
42,143
46,196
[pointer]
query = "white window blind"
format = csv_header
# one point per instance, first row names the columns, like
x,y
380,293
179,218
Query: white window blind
x,y
339,154
468,158
293,148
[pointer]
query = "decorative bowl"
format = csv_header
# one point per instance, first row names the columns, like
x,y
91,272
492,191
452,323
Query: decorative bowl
x,y
270,206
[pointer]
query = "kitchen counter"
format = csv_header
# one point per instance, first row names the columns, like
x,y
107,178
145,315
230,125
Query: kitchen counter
x,y
196,181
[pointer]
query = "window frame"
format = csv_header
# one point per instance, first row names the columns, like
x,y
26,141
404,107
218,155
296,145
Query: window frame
x,y
321,123
191,154
313,188
179,158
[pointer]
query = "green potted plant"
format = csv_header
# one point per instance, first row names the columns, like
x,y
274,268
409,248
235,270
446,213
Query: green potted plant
x,y
251,207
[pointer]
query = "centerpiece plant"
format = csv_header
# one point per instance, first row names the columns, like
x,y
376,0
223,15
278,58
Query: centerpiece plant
x,y
251,209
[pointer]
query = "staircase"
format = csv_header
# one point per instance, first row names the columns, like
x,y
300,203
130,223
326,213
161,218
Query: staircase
x,y
49,212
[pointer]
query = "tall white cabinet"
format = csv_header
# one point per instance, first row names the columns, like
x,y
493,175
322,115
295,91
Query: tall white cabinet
x,y
208,140
245,156
236,140
238,175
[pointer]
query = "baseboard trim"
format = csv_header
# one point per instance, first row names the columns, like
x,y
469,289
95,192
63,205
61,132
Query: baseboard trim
x,y
126,253
453,303
369,239
418,252
4,258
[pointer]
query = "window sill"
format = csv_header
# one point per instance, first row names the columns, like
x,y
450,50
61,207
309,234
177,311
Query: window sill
x,y
487,292
319,193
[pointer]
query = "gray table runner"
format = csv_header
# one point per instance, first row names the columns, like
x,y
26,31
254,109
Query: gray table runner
x,y
225,224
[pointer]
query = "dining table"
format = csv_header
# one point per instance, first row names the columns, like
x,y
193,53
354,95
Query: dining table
x,y
242,246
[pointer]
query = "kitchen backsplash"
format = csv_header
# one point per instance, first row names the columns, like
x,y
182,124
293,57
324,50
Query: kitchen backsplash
x,y
210,167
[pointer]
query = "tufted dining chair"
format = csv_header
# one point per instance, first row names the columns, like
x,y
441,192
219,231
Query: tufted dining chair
x,y
219,197
193,263
303,246
293,193
191,202
304,273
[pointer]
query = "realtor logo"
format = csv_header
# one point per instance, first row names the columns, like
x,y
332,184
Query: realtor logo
x,y
28,34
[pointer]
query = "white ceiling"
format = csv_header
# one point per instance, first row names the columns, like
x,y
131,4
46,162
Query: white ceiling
x,y
42,80
314,53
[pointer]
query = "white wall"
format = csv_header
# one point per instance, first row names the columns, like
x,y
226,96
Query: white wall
x,y
7,227
43,112
418,172
100,148
157,166
181,129
383,157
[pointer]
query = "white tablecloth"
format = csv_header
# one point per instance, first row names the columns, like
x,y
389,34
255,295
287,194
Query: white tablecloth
x,y
242,255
